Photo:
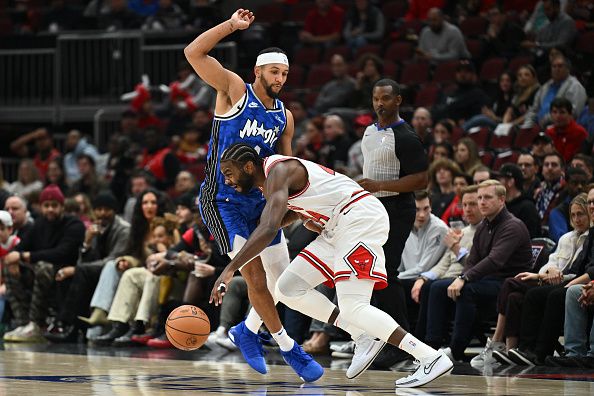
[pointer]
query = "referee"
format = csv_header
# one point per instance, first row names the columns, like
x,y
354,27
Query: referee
x,y
394,166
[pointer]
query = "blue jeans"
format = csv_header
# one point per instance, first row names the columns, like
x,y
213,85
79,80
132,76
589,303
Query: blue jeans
x,y
107,286
576,325
482,293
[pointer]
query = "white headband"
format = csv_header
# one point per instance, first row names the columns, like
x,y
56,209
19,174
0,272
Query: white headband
x,y
272,57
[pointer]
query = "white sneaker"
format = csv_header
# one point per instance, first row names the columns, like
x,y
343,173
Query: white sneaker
x,y
226,343
221,332
30,333
10,335
431,367
366,350
344,351
485,357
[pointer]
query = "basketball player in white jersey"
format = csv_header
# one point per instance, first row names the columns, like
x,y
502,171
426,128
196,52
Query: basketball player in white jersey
x,y
348,253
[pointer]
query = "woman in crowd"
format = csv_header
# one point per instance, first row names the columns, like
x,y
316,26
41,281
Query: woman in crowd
x,y
441,174
525,88
467,155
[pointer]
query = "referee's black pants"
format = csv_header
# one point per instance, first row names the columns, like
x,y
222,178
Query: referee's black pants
x,y
391,299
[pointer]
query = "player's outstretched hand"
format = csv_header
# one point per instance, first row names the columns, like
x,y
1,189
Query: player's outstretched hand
x,y
242,19
220,287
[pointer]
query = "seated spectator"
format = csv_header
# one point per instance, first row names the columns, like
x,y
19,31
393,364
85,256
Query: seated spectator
x,y
85,210
118,17
441,41
542,145
547,196
44,149
336,92
458,243
300,117
89,182
586,118
503,36
442,131
418,9
524,91
364,24
466,101
578,305
441,176
442,150
59,17
203,15
530,170
493,114
334,153
140,180
543,309
185,182
28,181
537,19
568,136
55,174
422,122
169,16
105,239
453,213
52,243
480,174
585,163
355,164
558,33
467,156
370,71
8,242
501,248
513,291
561,85
576,181
22,222
518,203
159,160
323,24
310,143
191,150
75,145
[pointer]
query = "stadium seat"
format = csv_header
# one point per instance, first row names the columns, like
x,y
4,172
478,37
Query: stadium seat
x,y
486,157
270,13
585,43
399,51
524,138
343,50
457,134
394,9
427,95
374,49
310,98
300,10
415,73
474,26
318,75
307,56
480,135
390,69
295,77
491,69
445,72
502,143
519,61
506,157
475,47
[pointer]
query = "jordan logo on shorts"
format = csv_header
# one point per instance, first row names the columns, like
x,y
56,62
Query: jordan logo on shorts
x,y
361,259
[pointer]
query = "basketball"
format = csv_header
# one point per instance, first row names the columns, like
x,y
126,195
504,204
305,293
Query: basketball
x,y
187,327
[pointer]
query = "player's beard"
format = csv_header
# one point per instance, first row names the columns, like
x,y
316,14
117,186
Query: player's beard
x,y
246,182
268,88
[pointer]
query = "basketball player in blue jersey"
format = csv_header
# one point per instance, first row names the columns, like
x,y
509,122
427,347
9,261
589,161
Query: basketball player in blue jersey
x,y
250,114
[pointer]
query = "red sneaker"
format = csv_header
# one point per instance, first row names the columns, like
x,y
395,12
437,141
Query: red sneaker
x,y
142,338
159,342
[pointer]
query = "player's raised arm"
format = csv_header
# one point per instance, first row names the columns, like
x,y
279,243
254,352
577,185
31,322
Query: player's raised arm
x,y
207,67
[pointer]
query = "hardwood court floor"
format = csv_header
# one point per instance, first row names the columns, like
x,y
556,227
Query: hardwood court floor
x,y
78,370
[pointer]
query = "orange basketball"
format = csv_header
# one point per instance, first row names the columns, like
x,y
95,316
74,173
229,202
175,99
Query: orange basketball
x,y
187,327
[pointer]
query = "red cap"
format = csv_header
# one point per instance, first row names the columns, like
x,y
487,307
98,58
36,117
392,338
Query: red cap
x,y
51,193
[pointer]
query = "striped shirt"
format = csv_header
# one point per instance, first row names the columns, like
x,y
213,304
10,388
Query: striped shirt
x,y
391,153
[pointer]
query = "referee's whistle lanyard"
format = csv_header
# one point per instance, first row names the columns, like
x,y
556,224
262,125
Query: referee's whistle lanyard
x,y
399,122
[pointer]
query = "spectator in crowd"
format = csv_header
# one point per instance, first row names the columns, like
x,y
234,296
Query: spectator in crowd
x,y
467,155
519,204
525,89
159,160
28,181
441,176
466,101
371,68
576,181
418,9
364,24
442,131
323,24
501,248
55,174
458,243
105,239
542,145
537,19
492,114
480,174
75,145
44,149
442,150
586,118
568,136
169,16
191,150
309,144
85,210
22,222
547,195
59,17
186,211
422,123
561,85
203,15
585,163
423,249
503,36
441,41
139,182
513,291
144,8
300,117
558,33
453,213
335,151
184,182
530,169
129,127
52,243
8,242
118,16
338,91
355,164
89,182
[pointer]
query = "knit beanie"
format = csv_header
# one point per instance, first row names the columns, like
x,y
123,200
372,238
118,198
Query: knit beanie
x,y
51,193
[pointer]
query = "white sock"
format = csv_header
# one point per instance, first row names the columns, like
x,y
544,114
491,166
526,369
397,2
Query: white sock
x,y
285,342
253,321
416,347
354,331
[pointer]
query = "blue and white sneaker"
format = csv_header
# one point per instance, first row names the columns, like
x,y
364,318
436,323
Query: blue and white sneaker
x,y
250,346
306,368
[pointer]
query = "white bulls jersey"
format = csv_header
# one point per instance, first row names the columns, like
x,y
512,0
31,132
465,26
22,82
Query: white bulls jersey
x,y
326,195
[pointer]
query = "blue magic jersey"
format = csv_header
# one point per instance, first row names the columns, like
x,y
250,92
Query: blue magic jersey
x,y
249,122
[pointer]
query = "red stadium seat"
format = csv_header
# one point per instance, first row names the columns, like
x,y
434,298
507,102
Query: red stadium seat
x,y
307,56
270,13
502,143
399,51
427,95
524,138
445,72
343,50
474,26
295,77
390,69
518,62
318,75
585,43
491,69
487,158
457,134
374,49
475,47
506,157
395,9
415,73
300,10
480,135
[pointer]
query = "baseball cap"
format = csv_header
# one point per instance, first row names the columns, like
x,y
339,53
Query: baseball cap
x,y
5,218
512,171
542,138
